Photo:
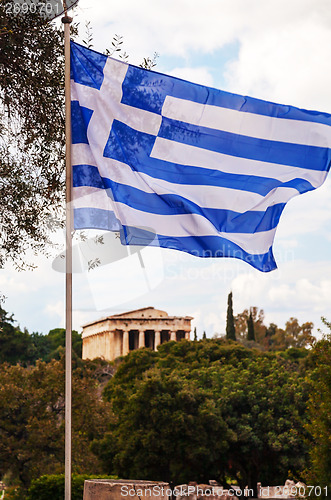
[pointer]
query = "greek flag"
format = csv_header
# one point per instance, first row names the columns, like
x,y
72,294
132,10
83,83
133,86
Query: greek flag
x,y
171,163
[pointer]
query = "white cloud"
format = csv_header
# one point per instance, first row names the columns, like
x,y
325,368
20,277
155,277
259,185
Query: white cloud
x,y
10,285
171,28
56,310
283,45
305,295
307,215
198,75
284,57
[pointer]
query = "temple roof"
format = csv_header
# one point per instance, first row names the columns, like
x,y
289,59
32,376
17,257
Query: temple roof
x,y
147,313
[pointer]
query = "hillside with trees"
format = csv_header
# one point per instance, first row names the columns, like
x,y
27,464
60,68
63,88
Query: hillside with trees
x,y
208,409
17,346
248,328
193,410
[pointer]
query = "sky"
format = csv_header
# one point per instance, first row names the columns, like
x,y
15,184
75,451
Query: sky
x,y
272,50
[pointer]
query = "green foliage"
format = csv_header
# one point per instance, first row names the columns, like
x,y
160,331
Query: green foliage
x,y
15,493
194,355
21,347
56,341
14,345
294,353
319,413
190,411
230,326
133,367
149,62
205,409
165,431
272,338
88,35
250,328
32,419
299,335
117,48
264,405
241,322
52,486
31,131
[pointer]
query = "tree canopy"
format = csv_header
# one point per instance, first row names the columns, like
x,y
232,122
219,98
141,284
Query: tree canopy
x,y
250,326
209,409
230,326
213,408
32,419
18,346
31,130
319,413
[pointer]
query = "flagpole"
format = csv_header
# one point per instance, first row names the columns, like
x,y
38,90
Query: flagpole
x,y
66,20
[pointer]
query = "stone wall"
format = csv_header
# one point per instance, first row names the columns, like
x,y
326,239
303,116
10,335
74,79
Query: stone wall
x,y
125,489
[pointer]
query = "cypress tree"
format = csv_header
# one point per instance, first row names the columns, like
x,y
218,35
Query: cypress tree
x,y
195,333
230,328
204,336
250,326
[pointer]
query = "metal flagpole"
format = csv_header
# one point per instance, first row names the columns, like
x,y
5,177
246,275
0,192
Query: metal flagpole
x,y
68,357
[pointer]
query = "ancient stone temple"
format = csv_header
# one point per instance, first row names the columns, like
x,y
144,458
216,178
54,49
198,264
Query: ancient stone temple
x,y
119,334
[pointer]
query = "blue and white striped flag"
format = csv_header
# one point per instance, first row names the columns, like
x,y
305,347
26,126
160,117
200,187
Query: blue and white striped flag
x,y
184,166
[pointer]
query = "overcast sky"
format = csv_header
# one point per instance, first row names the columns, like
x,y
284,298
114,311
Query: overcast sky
x,y
273,50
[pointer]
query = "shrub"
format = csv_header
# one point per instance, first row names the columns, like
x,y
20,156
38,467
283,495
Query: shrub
x,y
52,486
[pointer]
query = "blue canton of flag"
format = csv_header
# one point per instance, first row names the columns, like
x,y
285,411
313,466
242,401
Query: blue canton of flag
x,y
167,162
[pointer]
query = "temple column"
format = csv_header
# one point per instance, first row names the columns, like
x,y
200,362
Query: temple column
x,y
141,339
187,335
157,339
109,341
125,349
173,335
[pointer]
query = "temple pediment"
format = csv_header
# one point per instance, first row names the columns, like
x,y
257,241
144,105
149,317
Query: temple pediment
x,y
146,312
